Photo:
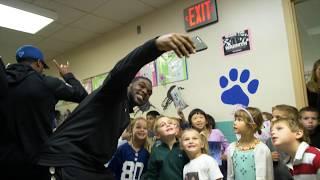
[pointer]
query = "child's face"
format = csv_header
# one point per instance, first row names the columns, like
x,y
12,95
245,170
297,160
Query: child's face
x,y
139,130
240,126
177,125
309,120
282,136
191,142
150,121
166,127
198,121
277,114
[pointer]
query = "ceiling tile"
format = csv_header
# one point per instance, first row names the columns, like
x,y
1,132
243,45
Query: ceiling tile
x,y
95,24
75,25
57,45
74,35
66,14
157,3
122,10
84,5
17,38
51,28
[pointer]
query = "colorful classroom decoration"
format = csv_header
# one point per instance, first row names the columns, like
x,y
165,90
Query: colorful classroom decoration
x,y
171,68
149,71
98,80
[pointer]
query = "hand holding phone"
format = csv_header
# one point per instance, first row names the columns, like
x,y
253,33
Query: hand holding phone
x,y
199,44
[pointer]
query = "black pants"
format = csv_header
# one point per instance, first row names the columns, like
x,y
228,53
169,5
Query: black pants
x,y
74,173
22,171
223,169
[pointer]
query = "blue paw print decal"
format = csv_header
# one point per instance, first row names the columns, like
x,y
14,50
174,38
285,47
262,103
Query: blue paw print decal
x,y
240,87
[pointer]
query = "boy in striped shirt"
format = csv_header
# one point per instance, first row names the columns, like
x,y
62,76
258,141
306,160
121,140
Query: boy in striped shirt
x,y
289,136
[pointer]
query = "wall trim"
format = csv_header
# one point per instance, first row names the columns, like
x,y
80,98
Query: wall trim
x,y
295,53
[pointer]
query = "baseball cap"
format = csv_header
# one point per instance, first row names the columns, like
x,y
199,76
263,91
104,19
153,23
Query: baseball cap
x,y
30,52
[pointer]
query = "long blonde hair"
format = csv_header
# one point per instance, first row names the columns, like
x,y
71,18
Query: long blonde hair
x,y
312,85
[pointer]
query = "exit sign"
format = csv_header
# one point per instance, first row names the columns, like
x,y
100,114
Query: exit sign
x,y
200,14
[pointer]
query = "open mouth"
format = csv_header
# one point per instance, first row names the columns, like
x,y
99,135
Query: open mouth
x,y
139,97
274,139
170,130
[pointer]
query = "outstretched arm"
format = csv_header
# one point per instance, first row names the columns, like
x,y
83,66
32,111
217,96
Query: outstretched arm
x,y
125,70
73,91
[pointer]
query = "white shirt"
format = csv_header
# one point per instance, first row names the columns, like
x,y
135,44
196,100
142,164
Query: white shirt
x,y
204,167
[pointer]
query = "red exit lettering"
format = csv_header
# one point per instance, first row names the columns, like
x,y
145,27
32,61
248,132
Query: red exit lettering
x,y
199,13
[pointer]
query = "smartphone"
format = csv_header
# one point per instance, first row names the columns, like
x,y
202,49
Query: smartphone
x,y
199,44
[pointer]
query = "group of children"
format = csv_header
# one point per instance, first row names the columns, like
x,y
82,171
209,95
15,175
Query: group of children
x,y
197,152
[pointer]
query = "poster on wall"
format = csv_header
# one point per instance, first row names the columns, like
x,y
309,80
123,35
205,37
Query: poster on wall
x,y
98,80
237,42
149,71
87,84
171,68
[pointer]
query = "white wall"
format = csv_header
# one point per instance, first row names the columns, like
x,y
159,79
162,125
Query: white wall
x,y
268,60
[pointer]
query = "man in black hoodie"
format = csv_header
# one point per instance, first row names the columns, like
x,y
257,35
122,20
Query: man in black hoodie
x,y
29,109
3,95
88,138
3,80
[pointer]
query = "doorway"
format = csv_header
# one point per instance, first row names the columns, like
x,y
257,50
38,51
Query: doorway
x,y
307,16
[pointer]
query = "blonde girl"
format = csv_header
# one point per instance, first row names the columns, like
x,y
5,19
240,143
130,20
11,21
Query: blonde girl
x,y
248,158
201,165
130,160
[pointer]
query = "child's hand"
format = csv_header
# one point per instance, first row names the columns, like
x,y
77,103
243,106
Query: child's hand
x,y
224,157
181,114
275,156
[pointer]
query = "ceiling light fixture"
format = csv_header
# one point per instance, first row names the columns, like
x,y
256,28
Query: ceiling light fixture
x,y
25,17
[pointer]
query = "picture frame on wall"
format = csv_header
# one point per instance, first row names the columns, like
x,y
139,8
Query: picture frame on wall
x,y
171,68
236,42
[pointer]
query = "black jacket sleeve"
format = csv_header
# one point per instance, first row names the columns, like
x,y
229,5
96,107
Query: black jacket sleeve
x,y
125,70
3,80
70,90
313,99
